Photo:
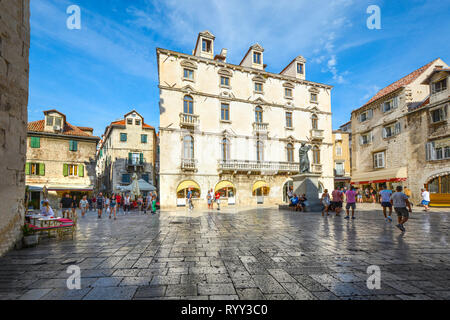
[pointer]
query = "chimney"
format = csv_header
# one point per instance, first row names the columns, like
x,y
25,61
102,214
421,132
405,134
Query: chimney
x,y
438,67
222,56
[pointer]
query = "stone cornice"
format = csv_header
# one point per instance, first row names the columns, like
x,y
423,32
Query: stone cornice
x,y
255,102
63,136
241,68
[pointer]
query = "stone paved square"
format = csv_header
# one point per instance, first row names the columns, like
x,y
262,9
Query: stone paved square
x,y
261,253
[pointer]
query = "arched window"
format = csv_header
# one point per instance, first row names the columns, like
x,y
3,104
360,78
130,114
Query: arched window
x,y
225,149
259,151
315,122
290,152
316,155
188,147
188,105
258,115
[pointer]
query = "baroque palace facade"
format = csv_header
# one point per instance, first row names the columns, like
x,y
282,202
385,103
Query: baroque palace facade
x,y
237,129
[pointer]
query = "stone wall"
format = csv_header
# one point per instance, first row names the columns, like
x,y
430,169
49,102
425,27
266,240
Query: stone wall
x,y
14,70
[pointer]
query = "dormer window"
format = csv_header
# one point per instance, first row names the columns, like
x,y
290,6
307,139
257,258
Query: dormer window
x,y
188,74
137,122
300,68
258,87
206,45
58,121
439,86
50,120
256,57
130,121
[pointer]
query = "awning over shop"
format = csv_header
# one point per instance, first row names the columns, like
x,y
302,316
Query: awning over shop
x,y
70,188
224,184
143,186
380,176
35,188
259,184
188,184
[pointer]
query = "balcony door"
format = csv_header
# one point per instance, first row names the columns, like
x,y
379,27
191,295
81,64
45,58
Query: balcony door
x,y
188,105
258,115
259,151
188,148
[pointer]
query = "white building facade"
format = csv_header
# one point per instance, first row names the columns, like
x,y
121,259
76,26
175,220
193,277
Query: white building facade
x,y
237,129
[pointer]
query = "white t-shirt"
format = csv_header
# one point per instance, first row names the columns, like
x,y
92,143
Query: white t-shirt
x,y
426,195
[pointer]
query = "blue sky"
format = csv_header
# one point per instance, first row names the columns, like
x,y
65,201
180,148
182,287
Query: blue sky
x,y
97,74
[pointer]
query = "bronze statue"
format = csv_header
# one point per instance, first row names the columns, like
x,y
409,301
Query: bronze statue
x,y
303,156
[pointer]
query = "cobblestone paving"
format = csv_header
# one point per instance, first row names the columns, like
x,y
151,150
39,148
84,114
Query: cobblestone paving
x,y
253,254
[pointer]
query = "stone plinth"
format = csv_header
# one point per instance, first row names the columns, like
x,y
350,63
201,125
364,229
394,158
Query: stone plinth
x,y
308,184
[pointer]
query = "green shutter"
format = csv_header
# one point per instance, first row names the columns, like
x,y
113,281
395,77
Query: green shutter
x,y
70,145
141,158
42,169
65,170
27,168
35,142
81,170
130,157
75,144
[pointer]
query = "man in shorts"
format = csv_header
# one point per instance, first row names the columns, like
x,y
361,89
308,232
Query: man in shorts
x,y
400,201
385,199
66,205
425,199
337,200
351,202
100,203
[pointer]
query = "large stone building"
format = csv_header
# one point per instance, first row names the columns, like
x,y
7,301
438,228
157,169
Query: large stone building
x,y
385,147
128,146
14,70
237,128
60,159
341,156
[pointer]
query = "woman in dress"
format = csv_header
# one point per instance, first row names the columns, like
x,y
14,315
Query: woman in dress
x,y
84,205
325,202
107,205
209,200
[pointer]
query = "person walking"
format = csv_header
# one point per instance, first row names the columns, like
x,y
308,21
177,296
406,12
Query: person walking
x,y
118,202
100,202
140,203
66,205
153,204
337,200
126,204
84,205
113,206
360,196
148,202
400,201
209,199
94,203
425,199
218,200
385,200
325,202
213,198
374,195
351,202
189,199
74,206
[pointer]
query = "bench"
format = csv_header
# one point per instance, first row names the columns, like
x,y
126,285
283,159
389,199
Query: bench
x,y
61,230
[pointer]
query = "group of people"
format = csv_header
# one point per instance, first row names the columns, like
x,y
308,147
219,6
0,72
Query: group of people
x,y
212,197
108,203
295,202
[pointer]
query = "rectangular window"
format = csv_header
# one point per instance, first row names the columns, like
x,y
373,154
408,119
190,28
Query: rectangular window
x,y
35,169
339,166
224,81
314,97
366,115
73,145
257,57
137,122
439,86
126,178
447,153
206,45
73,170
300,68
188,74
129,121
35,142
439,154
438,115
123,137
289,119
58,122
366,138
378,160
143,138
50,121
225,112
338,151
390,105
258,87
145,177
288,92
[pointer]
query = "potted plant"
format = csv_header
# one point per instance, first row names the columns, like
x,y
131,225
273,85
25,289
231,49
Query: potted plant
x,y
29,238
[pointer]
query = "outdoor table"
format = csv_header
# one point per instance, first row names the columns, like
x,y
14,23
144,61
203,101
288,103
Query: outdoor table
x,y
48,222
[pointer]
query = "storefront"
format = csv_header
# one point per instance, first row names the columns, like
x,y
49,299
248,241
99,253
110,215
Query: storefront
x,y
439,188
389,178
227,191
183,189
260,190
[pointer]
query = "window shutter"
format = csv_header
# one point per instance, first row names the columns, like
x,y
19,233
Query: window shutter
x,y
433,151
384,133
382,160
141,158
70,145
361,141
428,151
395,102
65,170
397,128
81,170
360,117
371,136
370,114
27,168
130,157
75,146
42,169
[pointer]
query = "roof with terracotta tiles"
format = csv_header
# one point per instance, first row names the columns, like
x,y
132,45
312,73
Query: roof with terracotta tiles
x,y
122,123
69,129
399,83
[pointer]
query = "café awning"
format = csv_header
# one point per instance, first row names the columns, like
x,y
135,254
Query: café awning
x,y
143,186
380,176
188,184
224,184
259,184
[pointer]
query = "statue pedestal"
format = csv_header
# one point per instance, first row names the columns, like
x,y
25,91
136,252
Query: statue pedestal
x,y
308,184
